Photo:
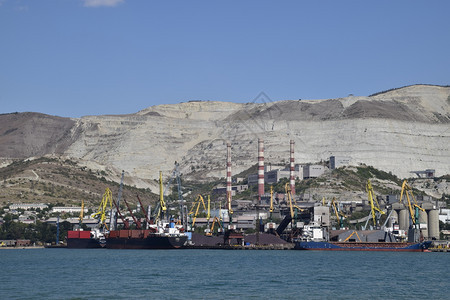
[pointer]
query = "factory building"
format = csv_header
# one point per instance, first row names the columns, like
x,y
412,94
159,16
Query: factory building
x,y
234,189
339,161
312,171
274,176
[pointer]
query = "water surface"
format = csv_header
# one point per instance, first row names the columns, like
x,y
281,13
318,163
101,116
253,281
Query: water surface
x,y
221,274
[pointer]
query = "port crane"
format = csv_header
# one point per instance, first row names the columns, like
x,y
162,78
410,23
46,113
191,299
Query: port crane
x,y
102,209
81,216
113,216
135,220
292,216
176,175
126,224
217,221
197,203
375,210
271,203
339,214
143,211
412,207
161,207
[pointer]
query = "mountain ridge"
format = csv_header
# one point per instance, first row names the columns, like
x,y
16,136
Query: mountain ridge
x,y
400,130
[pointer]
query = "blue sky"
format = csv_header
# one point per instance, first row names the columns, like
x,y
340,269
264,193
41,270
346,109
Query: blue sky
x,y
73,58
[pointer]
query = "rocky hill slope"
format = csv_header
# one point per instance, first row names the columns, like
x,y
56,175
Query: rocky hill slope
x,y
398,131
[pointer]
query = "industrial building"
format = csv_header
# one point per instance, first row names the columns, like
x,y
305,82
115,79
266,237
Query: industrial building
x,y
274,176
234,189
312,171
428,173
428,219
339,161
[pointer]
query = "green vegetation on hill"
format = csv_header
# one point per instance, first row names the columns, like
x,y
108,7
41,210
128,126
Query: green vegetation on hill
x,y
51,180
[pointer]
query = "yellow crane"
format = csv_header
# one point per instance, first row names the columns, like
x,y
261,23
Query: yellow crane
x,y
208,216
292,203
271,203
353,233
198,201
215,220
81,216
102,209
413,207
287,188
339,214
374,206
162,205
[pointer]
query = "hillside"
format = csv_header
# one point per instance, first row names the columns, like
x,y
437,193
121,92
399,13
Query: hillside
x,y
51,180
64,182
397,131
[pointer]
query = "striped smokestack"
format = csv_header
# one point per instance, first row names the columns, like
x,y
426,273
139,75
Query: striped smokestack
x,y
292,177
228,174
260,167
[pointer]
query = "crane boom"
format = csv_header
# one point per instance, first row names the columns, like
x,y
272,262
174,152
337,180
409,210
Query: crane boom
x,y
198,201
374,206
124,220
407,190
136,221
101,212
113,220
288,193
162,204
208,216
143,210
80,218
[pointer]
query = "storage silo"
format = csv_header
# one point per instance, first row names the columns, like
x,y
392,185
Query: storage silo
x,y
433,224
423,221
393,218
403,219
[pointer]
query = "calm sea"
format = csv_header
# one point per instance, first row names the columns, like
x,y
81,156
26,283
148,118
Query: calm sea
x,y
221,274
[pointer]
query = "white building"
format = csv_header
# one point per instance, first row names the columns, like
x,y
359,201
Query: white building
x,y
27,206
339,161
63,209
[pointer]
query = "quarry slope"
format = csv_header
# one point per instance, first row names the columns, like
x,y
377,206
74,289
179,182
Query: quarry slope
x,y
397,131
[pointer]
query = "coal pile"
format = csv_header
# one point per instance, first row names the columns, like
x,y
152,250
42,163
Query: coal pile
x,y
264,239
203,240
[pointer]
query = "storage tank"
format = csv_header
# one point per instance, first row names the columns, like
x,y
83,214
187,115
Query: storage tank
x,y
433,224
393,218
423,221
403,219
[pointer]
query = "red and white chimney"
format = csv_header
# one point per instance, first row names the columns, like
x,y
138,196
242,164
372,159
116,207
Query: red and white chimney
x,y
260,167
292,173
229,174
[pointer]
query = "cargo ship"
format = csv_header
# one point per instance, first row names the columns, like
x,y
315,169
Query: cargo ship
x,y
80,239
363,246
315,237
166,236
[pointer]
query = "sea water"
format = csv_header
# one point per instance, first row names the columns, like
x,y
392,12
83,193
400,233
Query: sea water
x,y
221,274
